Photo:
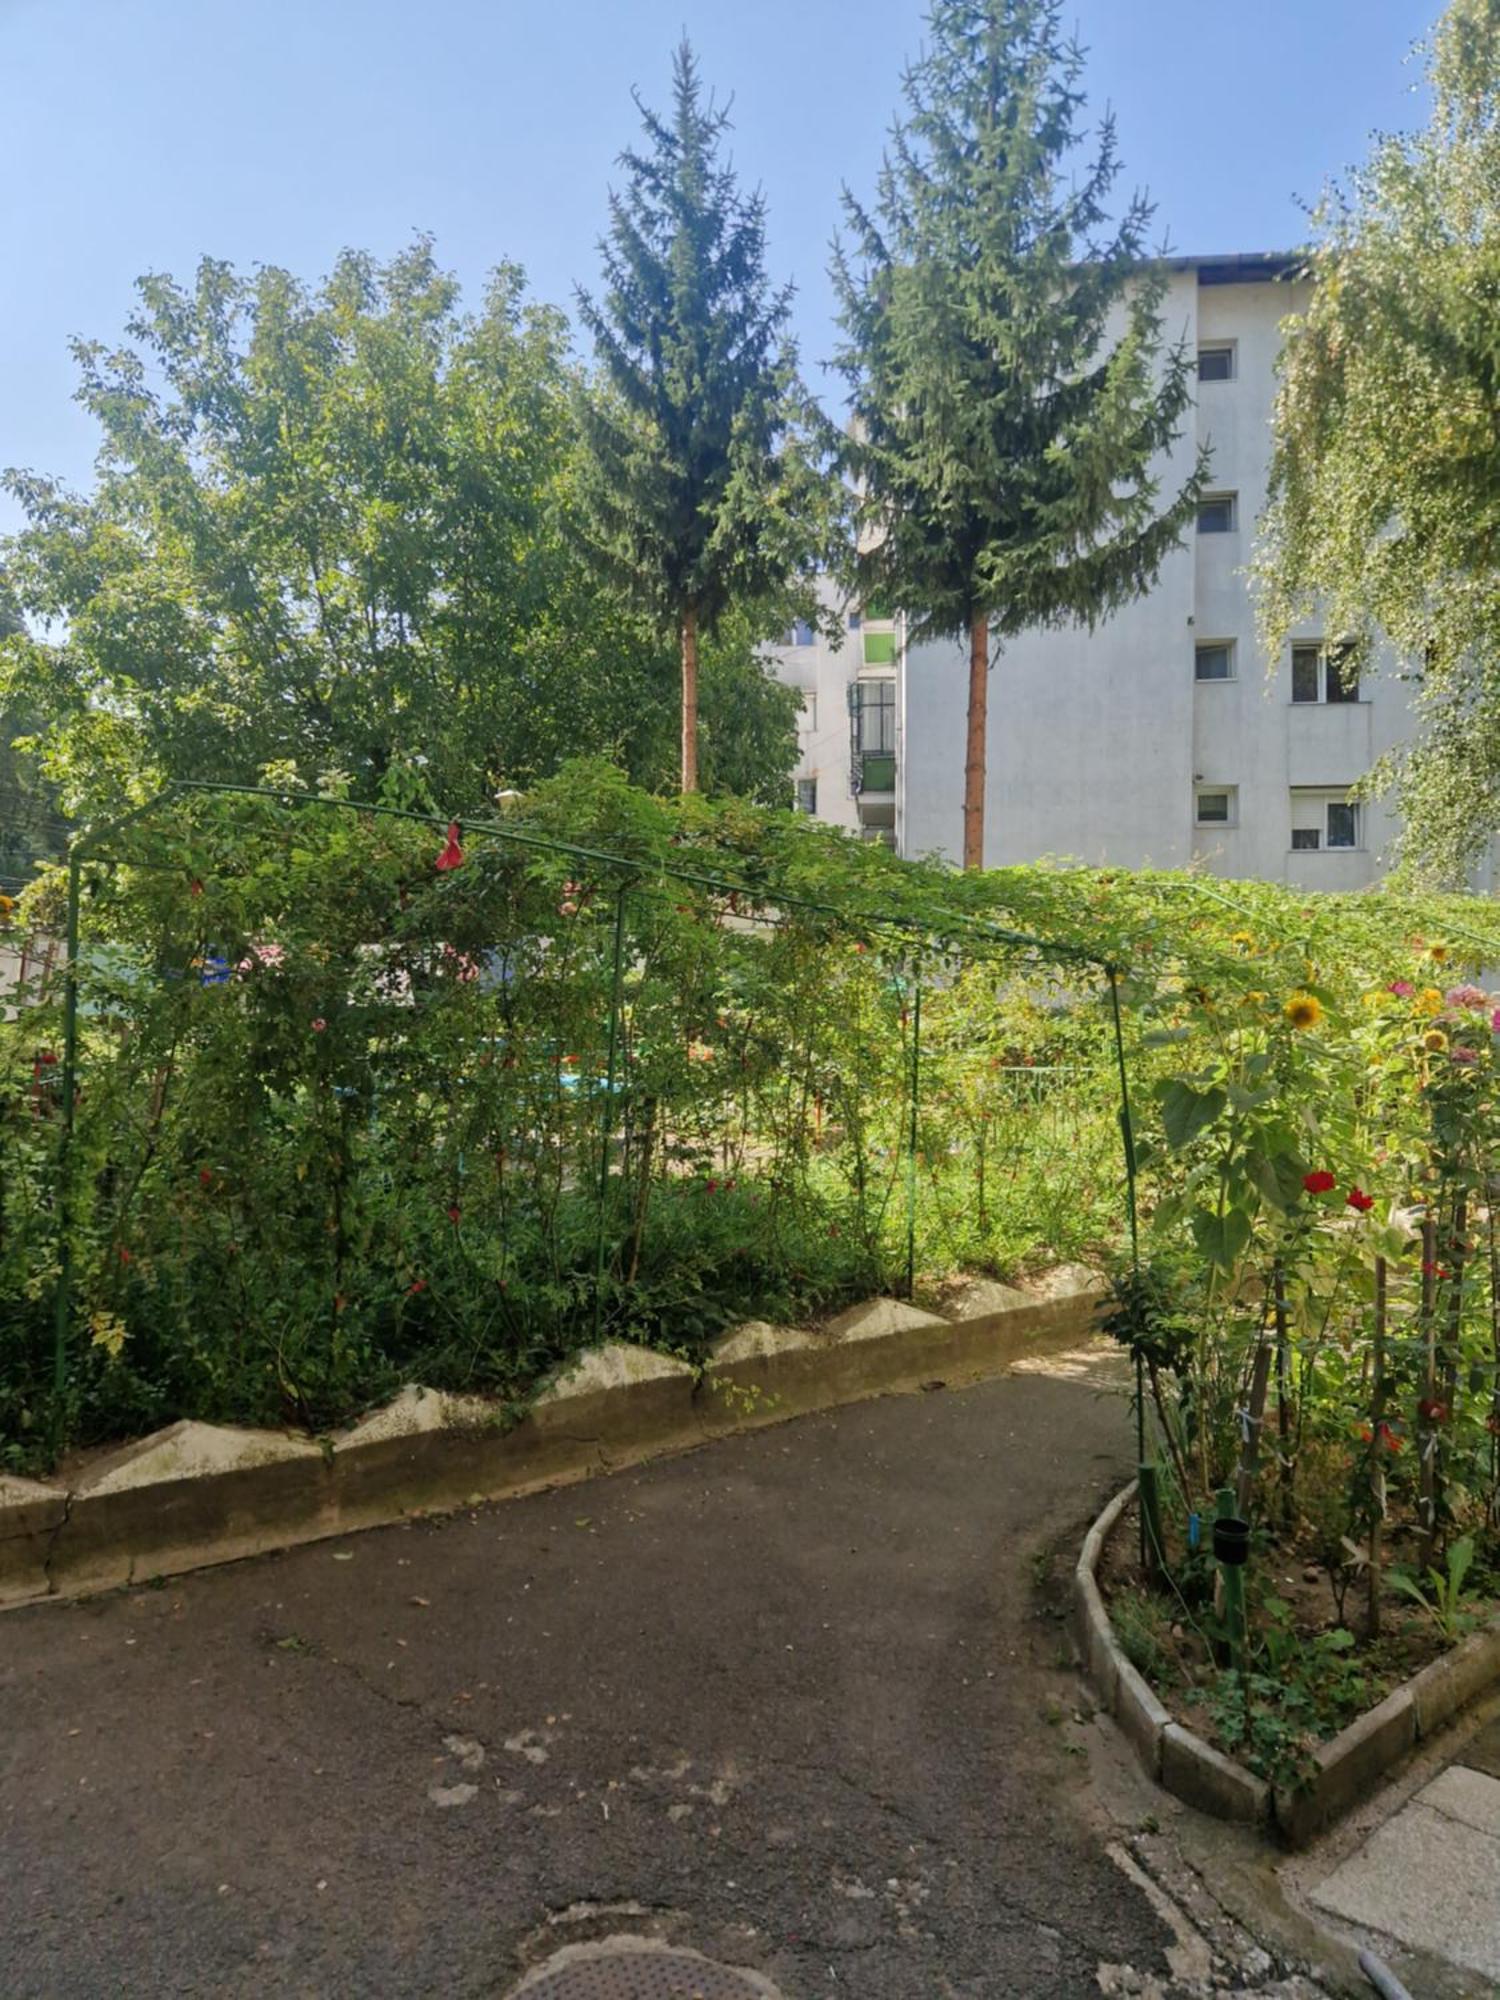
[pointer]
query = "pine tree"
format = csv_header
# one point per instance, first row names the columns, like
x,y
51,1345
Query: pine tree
x,y
1002,441
702,492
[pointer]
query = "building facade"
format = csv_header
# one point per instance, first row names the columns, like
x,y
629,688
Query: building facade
x,y
847,767
1164,737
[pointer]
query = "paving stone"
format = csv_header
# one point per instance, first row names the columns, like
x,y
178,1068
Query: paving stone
x,y
1470,1796
1427,1881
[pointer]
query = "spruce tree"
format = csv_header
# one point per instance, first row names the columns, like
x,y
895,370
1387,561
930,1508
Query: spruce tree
x,y
1010,383
701,494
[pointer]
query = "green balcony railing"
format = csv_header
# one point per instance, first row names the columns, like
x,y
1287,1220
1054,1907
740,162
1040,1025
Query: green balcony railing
x,y
878,771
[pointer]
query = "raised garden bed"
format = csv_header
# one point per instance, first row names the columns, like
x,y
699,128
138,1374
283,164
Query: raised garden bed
x,y
1329,1711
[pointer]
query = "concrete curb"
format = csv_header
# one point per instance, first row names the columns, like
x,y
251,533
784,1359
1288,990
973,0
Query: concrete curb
x,y
196,1494
1346,1767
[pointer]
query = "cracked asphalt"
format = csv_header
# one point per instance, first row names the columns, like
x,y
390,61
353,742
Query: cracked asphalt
x,y
798,1700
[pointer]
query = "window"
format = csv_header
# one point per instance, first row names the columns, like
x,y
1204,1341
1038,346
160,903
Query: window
x,y
1306,665
809,723
874,716
1322,820
807,795
1217,514
801,634
1216,361
1214,660
1343,824
1215,805
1319,674
853,621
880,649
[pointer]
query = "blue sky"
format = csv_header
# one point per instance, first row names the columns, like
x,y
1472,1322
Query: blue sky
x,y
142,134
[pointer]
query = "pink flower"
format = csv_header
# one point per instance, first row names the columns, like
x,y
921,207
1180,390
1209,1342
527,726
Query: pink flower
x,y
1402,988
1495,1022
1463,1056
452,855
416,1285
319,1025
1467,996
1357,1198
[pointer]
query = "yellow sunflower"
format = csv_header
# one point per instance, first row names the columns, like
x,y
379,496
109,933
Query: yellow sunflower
x,y
1434,1039
1437,952
1303,1010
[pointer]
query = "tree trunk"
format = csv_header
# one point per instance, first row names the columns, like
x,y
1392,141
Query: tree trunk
x,y
690,697
974,756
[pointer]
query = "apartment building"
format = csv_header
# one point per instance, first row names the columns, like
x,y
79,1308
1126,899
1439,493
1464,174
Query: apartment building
x,y
1163,737
847,766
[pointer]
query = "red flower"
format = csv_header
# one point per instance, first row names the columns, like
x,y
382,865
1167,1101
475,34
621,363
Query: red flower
x,y
1357,1198
1389,1438
319,1025
205,1177
122,1253
712,1188
452,855
195,887
339,1302
416,1285
1432,1411
47,1058
455,1214
1492,1425
1321,1182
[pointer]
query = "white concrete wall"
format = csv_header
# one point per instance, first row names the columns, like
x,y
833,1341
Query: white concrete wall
x,y
1097,741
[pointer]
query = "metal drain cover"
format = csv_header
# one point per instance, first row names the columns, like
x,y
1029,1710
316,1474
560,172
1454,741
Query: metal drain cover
x,y
617,1971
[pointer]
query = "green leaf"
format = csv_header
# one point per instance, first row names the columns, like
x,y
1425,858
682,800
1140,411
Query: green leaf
x,y
1185,1112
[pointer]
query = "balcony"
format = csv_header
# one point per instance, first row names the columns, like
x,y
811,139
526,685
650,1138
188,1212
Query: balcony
x,y
875,772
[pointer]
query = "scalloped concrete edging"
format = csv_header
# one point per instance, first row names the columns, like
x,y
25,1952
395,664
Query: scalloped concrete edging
x,y
1347,1766
195,1493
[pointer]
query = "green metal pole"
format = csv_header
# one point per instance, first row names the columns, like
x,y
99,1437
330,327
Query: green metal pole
x,y
911,1142
1127,1139
607,1115
62,1305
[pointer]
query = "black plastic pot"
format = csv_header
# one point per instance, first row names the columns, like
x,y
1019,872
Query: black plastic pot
x,y
1232,1541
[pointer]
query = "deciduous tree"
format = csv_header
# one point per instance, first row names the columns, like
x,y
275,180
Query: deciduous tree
x,y
1385,482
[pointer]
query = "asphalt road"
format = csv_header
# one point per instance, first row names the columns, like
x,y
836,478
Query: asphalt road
x,y
795,1700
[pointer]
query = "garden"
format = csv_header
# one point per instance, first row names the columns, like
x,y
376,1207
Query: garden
x,y
339,1097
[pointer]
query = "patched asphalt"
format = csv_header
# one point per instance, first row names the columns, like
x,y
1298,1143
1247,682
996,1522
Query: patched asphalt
x,y
794,1700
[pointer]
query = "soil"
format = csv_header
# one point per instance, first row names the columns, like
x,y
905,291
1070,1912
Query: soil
x,y
1409,1639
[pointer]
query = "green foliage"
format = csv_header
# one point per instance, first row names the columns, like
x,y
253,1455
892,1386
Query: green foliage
x,y
336,533
1384,521
348,1118
1003,443
1443,1599
702,492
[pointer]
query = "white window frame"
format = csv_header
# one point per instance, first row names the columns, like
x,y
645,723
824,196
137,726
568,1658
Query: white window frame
x,y
1217,499
1214,646
811,782
1231,797
1325,660
1229,347
1320,800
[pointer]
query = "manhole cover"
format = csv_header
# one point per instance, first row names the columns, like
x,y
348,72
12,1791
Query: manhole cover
x,y
643,1972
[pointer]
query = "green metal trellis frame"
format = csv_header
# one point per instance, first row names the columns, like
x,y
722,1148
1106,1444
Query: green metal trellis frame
x,y
88,843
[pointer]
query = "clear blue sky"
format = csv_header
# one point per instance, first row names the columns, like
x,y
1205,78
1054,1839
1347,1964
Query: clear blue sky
x,y
142,134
